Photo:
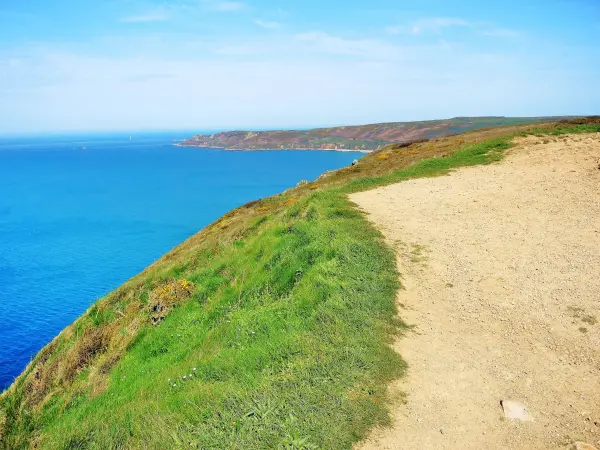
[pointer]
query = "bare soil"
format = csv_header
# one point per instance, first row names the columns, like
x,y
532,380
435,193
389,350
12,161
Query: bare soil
x,y
500,266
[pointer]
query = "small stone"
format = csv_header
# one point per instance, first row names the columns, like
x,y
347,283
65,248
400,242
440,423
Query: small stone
x,y
515,411
442,430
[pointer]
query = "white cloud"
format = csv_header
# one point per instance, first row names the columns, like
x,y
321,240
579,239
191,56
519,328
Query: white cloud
x,y
156,16
438,24
324,42
14,62
402,29
145,77
428,25
174,82
247,49
267,24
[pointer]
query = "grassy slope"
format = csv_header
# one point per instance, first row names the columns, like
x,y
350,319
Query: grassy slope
x,y
284,308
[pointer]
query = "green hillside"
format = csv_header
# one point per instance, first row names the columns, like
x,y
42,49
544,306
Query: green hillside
x,y
360,137
268,329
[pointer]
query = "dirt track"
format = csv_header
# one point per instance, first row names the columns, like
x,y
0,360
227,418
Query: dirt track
x,y
501,269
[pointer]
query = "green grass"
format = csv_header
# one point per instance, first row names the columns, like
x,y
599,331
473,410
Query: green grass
x,y
483,153
287,329
564,129
282,312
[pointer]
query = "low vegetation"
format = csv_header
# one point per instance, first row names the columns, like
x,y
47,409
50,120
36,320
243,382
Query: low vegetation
x,y
268,329
362,137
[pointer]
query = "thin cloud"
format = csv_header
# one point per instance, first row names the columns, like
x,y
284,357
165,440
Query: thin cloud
x,y
428,25
401,29
142,78
157,16
49,86
267,24
326,43
247,49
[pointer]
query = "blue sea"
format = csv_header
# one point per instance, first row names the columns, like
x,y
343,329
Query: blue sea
x,y
75,223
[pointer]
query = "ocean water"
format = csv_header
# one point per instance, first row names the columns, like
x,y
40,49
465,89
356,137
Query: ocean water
x,y
75,224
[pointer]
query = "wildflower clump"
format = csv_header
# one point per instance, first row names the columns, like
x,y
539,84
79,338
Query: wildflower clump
x,y
162,299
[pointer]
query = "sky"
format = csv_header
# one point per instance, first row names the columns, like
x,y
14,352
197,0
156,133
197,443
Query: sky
x,y
88,65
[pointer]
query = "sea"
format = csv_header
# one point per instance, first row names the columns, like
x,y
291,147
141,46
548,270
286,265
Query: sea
x,y
81,214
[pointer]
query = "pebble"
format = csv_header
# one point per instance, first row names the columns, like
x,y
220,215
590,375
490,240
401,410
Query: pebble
x,y
515,411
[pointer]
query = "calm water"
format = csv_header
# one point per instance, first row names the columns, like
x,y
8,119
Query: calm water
x,y
75,224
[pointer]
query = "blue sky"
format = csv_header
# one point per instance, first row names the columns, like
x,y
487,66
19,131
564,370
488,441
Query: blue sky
x,y
216,64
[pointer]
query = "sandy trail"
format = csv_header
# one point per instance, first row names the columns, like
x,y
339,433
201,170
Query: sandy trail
x,y
501,269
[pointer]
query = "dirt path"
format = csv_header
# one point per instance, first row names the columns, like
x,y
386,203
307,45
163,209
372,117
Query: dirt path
x,y
501,269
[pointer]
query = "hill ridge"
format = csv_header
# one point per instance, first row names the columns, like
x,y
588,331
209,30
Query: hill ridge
x,y
366,137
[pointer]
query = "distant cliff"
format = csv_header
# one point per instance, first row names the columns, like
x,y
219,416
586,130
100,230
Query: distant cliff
x,y
362,137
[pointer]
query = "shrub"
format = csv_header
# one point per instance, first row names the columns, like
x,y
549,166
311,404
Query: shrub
x,y
165,297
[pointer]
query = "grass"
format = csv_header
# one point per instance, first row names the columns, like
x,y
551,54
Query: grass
x,y
590,320
268,329
579,313
485,152
417,255
588,126
282,341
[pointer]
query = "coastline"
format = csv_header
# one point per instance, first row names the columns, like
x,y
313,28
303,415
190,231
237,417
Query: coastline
x,y
302,216
343,150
